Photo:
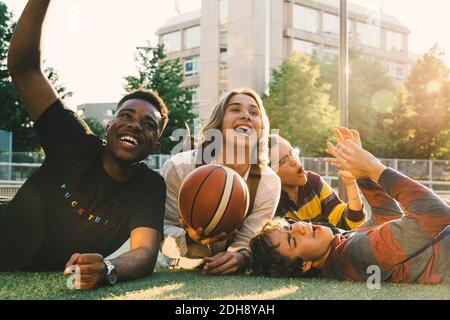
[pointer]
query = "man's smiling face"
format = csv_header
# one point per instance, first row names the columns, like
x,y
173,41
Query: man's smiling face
x,y
134,131
302,240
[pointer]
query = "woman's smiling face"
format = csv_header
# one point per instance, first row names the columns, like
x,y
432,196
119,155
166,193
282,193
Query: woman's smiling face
x,y
242,122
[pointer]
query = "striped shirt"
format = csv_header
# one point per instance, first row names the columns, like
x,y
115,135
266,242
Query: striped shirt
x,y
409,246
318,203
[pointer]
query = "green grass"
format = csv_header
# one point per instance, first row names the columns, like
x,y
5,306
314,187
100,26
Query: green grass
x,y
169,285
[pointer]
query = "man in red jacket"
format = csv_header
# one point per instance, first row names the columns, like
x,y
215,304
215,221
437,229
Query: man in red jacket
x,y
407,246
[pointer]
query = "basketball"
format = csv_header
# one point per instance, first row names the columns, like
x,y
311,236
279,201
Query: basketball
x,y
214,198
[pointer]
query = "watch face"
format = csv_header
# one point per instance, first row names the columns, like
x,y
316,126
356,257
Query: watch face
x,y
112,277
111,273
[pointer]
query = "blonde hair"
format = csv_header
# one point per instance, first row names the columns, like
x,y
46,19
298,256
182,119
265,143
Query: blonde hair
x,y
216,116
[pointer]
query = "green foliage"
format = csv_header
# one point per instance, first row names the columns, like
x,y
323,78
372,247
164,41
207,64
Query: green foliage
x,y
370,101
96,126
420,127
53,77
298,105
164,76
6,31
13,115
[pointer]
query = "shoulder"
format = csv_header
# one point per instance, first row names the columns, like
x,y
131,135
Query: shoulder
x,y
314,182
181,164
150,178
183,158
313,177
59,116
268,174
269,180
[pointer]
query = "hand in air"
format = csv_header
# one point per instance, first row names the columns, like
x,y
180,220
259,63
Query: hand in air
x,y
342,134
350,156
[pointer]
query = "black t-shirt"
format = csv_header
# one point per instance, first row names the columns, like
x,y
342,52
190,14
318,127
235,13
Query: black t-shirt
x,y
85,210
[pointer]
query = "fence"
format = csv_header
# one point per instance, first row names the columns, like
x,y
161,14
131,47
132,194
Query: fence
x,y
434,174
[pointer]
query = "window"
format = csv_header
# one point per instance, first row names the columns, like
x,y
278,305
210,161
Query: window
x,y
223,53
350,30
223,45
172,41
305,19
368,35
192,38
195,95
395,70
330,53
223,78
191,67
304,46
223,11
399,71
394,41
331,24
332,27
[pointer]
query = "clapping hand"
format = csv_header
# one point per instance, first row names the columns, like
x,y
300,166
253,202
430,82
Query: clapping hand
x,y
350,156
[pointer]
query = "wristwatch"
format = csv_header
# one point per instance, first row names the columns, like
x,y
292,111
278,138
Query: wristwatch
x,y
111,272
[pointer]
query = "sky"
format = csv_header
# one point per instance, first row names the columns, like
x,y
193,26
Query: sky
x,y
92,43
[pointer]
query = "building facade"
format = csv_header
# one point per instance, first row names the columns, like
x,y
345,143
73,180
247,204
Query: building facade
x,y
102,112
223,45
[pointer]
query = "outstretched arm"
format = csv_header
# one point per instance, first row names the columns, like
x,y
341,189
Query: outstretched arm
x,y
24,60
354,199
426,216
383,207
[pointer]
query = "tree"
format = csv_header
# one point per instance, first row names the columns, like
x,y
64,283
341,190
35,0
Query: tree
x,y
420,127
6,31
164,76
370,101
13,115
299,106
53,77
96,126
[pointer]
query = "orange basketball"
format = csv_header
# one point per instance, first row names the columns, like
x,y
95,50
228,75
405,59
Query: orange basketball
x,y
214,198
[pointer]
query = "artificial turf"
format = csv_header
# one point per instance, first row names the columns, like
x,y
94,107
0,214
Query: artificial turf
x,y
170,285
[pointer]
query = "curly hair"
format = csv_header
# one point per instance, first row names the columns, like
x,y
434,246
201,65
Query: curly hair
x,y
267,261
151,97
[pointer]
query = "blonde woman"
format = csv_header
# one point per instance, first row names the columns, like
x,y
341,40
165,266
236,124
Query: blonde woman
x,y
237,122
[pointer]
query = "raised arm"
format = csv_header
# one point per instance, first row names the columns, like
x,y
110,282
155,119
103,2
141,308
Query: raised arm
x,y
342,215
24,60
426,216
383,207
